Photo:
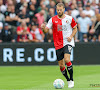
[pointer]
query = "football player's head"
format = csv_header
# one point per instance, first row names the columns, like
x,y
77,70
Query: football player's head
x,y
60,9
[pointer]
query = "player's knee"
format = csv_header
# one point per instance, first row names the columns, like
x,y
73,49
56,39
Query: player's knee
x,y
61,65
67,60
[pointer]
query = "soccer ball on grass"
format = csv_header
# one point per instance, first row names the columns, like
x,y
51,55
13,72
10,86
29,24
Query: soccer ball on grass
x,y
58,84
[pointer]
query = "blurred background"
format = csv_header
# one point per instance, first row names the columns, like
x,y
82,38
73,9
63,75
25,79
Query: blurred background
x,y
23,18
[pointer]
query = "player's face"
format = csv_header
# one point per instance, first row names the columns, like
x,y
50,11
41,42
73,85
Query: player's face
x,y
60,10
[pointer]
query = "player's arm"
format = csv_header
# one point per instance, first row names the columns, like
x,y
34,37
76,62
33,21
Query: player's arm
x,y
45,27
74,26
72,35
74,31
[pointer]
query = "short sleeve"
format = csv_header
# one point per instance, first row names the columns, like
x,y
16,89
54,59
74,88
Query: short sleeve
x,y
49,25
73,23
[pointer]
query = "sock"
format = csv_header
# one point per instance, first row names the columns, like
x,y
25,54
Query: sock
x,y
70,70
64,72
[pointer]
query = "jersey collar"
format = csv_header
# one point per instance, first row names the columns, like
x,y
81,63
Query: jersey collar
x,y
62,18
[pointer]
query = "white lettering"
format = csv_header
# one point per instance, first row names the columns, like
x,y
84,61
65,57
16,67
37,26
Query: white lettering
x,y
36,54
49,56
7,54
20,55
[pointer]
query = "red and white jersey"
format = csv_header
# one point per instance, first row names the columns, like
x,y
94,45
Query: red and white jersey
x,y
62,28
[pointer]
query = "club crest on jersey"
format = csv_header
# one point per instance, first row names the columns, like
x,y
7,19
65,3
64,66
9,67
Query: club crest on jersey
x,y
67,21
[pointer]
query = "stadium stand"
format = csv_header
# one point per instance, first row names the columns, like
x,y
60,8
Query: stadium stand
x,y
16,12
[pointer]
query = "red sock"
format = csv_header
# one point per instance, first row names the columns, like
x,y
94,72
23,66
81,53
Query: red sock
x,y
62,69
69,63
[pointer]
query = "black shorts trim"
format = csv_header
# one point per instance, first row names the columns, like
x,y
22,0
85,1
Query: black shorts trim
x,y
60,52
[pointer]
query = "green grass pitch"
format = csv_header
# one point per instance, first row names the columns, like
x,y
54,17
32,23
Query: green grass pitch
x,y
42,77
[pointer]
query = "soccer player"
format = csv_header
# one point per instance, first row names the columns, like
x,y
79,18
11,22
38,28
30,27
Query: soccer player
x,y
64,29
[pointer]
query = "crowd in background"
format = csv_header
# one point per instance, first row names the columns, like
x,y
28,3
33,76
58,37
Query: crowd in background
x,y
20,20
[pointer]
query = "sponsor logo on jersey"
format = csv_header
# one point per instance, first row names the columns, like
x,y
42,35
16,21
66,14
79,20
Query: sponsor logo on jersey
x,y
56,21
61,28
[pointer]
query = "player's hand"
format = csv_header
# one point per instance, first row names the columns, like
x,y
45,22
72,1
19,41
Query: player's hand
x,y
43,26
69,39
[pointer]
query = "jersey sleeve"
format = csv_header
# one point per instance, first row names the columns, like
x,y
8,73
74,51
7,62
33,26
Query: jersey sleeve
x,y
49,24
73,23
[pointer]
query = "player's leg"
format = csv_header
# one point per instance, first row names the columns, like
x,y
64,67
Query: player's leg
x,y
67,52
69,65
60,56
63,69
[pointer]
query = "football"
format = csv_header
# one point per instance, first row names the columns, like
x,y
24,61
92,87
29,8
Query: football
x,y
58,83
